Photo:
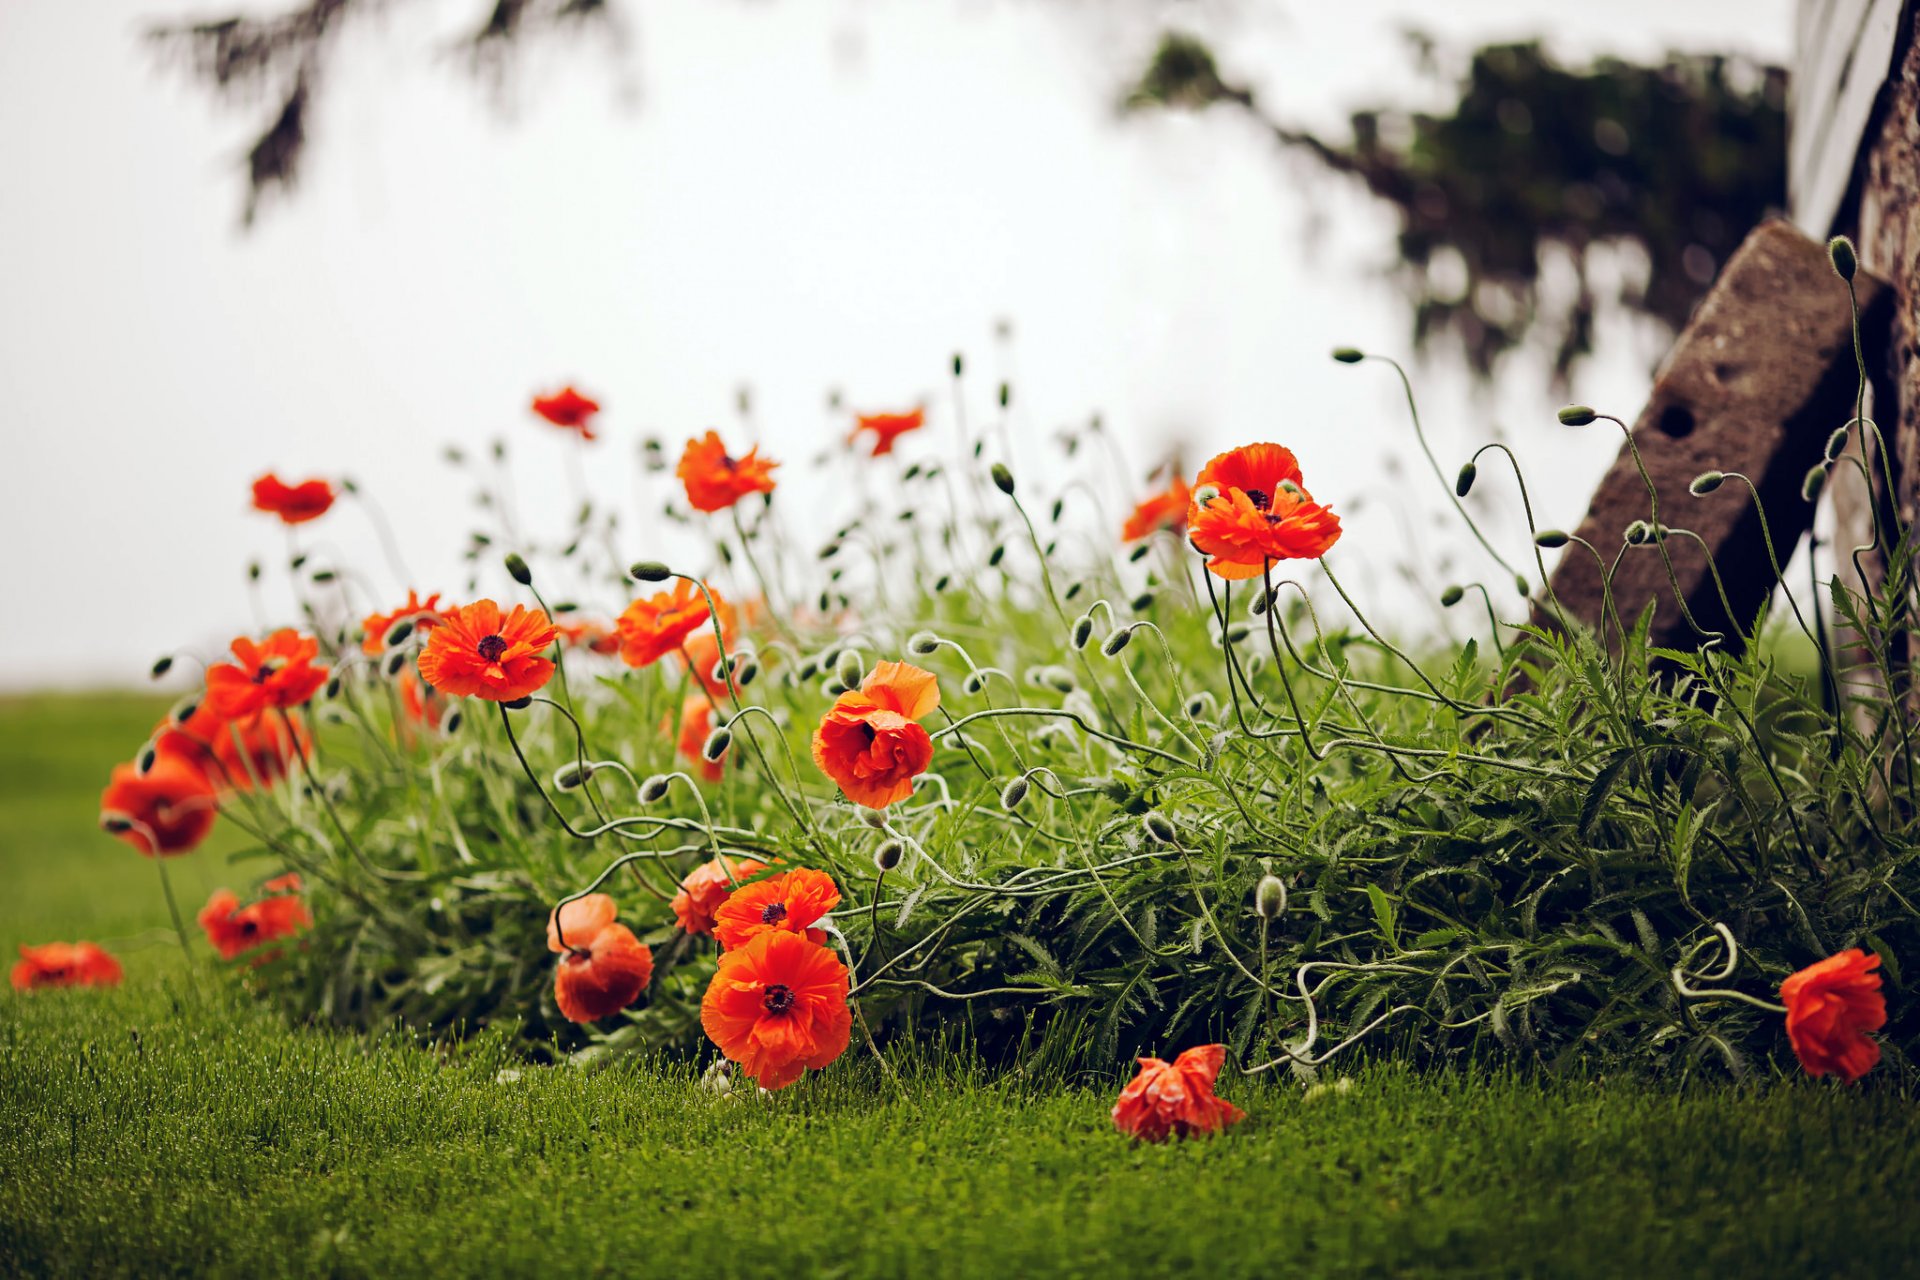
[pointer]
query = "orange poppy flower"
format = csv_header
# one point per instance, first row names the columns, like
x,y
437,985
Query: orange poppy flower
x,y
235,930
600,978
422,703
886,428
293,503
706,887
277,672
696,723
1830,1008
778,1006
869,743
1260,514
65,964
1176,1098
657,625
596,637
422,613
234,754
568,408
581,920
1164,510
787,903
478,652
167,810
715,479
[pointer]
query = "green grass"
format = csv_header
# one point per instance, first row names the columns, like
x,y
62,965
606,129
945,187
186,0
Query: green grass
x,y
153,1130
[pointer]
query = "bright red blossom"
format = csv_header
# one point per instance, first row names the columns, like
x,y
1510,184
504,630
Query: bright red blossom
x,y
1164,510
65,964
600,978
293,503
706,887
167,810
715,479
568,408
1831,1006
234,930
789,903
1260,514
778,1006
654,626
422,613
887,428
869,744
478,652
1176,1098
275,673
580,920
235,754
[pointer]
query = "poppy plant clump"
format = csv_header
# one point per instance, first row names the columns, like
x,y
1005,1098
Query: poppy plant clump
x,y
293,503
479,652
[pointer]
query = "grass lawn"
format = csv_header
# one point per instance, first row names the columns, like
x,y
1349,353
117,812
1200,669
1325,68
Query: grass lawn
x,y
163,1129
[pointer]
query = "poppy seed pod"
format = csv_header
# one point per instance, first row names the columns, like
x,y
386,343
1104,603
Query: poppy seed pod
x,y
1118,640
1452,596
887,856
517,569
1836,444
1014,794
1082,631
716,745
1463,484
1706,482
1158,828
1270,897
1550,538
922,643
162,665
1348,355
848,668
654,789
650,571
1002,478
1816,480
1576,415
1840,253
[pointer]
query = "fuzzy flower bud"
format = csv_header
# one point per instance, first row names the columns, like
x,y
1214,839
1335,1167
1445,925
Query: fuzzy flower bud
x,y
887,856
517,569
1463,484
1836,444
1014,794
1576,415
162,665
650,571
1082,631
1816,480
1117,641
1452,596
1706,482
922,643
1348,355
716,745
1270,898
848,668
1002,478
1840,252
654,789
1158,828
1549,539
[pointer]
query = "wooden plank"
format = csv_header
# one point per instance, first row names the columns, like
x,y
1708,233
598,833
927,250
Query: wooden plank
x,y
1844,57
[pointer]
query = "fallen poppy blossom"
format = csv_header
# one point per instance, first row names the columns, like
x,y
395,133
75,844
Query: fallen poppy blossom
x,y
886,428
478,652
654,626
422,613
788,903
276,673
706,887
65,964
235,930
568,408
1831,1006
869,742
167,810
600,978
1164,510
1176,1098
778,1006
715,479
1260,513
293,503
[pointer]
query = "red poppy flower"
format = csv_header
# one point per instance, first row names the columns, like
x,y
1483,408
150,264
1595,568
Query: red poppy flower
x,y
235,930
235,754
706,887
422,613
600,978
1830,1008
478,652
581,920
869,743
696,724
1260,514
778,1006
657,625
1176,1098
293,503
275,673
167,810
886,428
1164,510
65,964
422,703
596,637
568,408
715,479
787,903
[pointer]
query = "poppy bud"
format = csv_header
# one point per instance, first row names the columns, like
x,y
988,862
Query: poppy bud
x,y
1706,482
995,556
1270,897
922,643
1205,494
974,682
451,725
253,571
887,856
650,571
1139,553
1196,706
1816,480
183,710
162,665
144,761
1238,632
1550,538
1255,664
1082,631
1576,415
396,660
808,670
518,704
1059,679
570,775
1118,640
398,635
1452,596
1259,604
324,575
1637,533
1002,478
1014,794
829,551
333,687
1464,482
517,569
1006,398
941,583
848,668
1074,589
654,789
116,823
1840,252
1142,602
833,688
745,671
1059,504
716,745
1521,585
1158,828
1348,355
1836,444
959,364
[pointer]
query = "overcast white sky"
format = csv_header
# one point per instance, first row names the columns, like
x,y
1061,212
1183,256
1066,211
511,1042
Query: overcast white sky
x,y
793,194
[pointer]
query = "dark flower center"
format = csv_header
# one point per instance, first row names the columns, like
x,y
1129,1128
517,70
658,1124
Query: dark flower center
x,y
871,732
1259,499
774,914
726,460
779,998
492,647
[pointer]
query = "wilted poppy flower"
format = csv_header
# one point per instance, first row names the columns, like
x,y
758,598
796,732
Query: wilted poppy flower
x,y
581,920
869,743
1176,1098
1261,513
293,503
276,673
696,724
568,408
715,479
65,964
597,979
478,652
886,428
1164,510
235,930
654,626
422,613
166,810
1830,1008
778,1006
788,903
706,887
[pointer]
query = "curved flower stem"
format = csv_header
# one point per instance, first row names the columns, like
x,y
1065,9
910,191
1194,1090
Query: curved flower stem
x,y
506,719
